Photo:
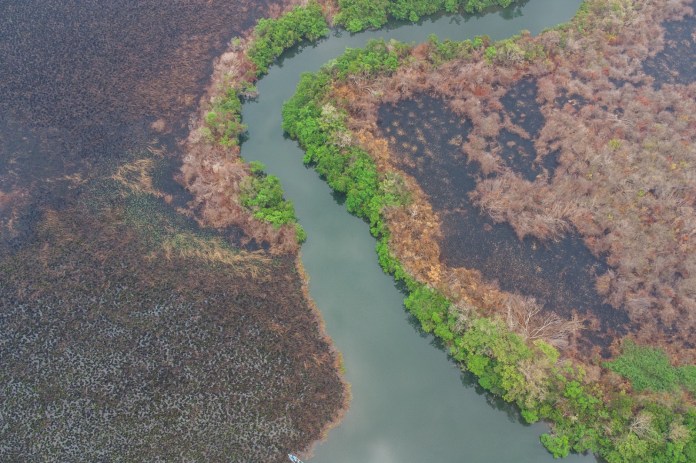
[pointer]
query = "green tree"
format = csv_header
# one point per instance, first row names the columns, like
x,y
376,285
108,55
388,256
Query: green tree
x,y
263,195
273,36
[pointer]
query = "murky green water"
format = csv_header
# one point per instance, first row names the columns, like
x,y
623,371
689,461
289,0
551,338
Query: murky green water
x,y
410,403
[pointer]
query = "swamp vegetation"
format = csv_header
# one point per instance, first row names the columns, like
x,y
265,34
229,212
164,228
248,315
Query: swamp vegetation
x,y
102,251
131,331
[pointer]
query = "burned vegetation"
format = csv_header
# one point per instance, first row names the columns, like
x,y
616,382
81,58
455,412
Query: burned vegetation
x,y
132,333
556,170
130,330
83,83
559,275
674,63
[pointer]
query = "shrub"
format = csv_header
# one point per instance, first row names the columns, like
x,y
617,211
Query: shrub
x,y
687,378
441,51
428,306
224,121
377,58
357,15
413,10
475,6
557,445
263,195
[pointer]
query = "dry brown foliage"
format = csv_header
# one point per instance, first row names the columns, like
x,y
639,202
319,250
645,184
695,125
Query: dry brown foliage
x,y
528,318
415,223
136,177
214,174
214,250
11,204
625,179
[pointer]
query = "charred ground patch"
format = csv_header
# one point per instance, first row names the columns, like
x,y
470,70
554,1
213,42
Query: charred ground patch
x,y
519,154
675,63
560,275
611,148
83,83
520,103
516,147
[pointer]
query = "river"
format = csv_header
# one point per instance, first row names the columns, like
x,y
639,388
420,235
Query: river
x,y
410,403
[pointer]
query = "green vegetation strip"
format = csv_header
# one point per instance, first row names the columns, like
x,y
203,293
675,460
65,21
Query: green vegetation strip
x,y
223,123
273,36
616,426
357,15
262,194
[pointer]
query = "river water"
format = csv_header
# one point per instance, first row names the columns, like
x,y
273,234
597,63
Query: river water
x,y
410,403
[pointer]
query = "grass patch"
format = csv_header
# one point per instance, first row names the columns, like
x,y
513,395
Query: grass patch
x,y
649,368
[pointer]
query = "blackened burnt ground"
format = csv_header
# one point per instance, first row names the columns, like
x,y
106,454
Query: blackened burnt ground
x,y
675,63
560,275
146,357
82,81
128,332
518,151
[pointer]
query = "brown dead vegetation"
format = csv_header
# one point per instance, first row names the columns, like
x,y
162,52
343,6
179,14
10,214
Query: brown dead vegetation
x,y
625,177
213,251
415,223
84,84
524,315
213,174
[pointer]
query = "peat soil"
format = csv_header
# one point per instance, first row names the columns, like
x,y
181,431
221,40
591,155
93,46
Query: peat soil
x,y
128,332
559,274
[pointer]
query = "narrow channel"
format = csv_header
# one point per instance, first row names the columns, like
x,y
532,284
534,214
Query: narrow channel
x,y
410,403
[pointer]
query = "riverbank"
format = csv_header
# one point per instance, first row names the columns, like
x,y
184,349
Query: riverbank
x,y
306,452
385,359
325,114
212,170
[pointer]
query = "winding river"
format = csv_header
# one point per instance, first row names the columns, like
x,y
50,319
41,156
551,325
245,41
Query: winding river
x,y
410,403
